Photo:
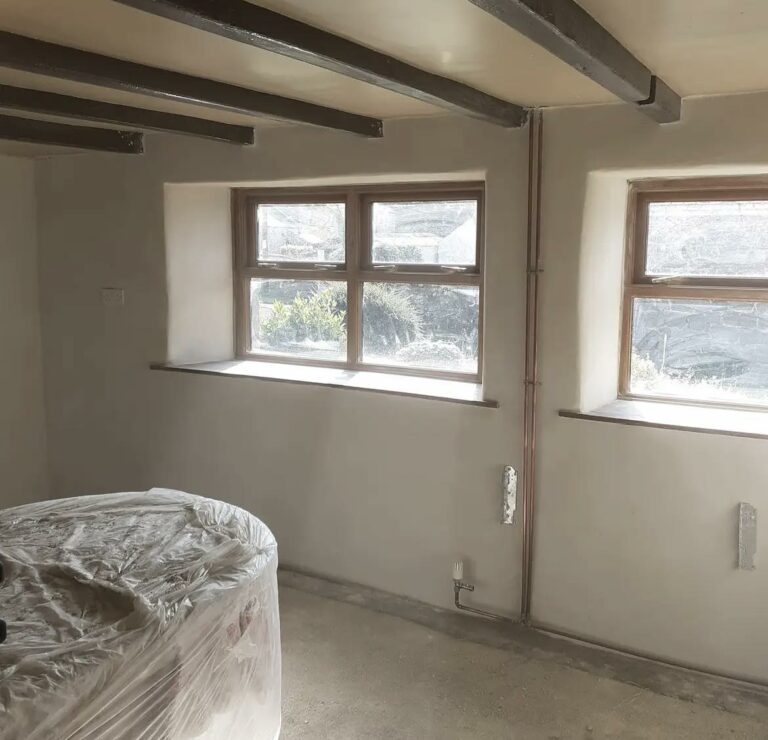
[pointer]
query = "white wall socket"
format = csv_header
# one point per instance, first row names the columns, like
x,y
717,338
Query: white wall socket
x,y
113,296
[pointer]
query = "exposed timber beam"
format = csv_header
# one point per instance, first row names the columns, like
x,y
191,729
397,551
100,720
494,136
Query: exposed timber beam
x,y
62,134
570,33
242,21
37,101
41,57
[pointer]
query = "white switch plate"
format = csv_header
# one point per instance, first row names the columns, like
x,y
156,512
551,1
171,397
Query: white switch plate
x,y
113,296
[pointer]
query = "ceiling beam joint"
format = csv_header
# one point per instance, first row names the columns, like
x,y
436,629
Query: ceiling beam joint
x,y
566,30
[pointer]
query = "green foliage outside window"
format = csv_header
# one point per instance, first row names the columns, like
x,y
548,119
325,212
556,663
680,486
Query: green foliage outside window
x,y
398,320
307,318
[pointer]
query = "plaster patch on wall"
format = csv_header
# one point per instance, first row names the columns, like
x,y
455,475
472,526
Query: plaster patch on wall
x,y
747,536
509,501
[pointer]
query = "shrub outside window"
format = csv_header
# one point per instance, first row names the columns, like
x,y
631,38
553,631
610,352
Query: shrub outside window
x,y
695,315
383,278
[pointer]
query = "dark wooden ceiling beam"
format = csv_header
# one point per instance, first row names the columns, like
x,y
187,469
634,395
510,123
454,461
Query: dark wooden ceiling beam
x,y
52,60
570,33
63,134
250,24
53,104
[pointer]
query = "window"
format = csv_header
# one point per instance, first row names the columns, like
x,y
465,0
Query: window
x,y
366,278
695,324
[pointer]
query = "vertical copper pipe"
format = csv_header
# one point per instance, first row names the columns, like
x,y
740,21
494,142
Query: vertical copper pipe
x,y
534,268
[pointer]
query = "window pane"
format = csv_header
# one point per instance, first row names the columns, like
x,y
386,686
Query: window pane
x,y
700,349
421,326
427,232
306,232
710,239
299,318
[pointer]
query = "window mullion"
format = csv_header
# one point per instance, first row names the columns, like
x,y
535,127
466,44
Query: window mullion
x,y
354,286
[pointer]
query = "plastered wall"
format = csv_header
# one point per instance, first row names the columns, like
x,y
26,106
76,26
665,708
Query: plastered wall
x,y
378,489
22,422
636,528
636,539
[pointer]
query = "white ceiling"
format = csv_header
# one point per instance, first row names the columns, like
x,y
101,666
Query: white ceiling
x,y
455,39
463,42
697,46
700,47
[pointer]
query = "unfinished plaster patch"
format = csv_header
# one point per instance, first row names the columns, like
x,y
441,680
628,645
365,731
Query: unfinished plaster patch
x,y
747,536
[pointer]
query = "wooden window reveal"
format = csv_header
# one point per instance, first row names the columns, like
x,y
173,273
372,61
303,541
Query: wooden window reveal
x,y
380,278
695,307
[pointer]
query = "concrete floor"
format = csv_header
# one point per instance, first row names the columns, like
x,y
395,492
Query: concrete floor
x,y
354,674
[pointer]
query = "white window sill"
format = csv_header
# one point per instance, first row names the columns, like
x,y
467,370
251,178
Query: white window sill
x,y
681,417
401,385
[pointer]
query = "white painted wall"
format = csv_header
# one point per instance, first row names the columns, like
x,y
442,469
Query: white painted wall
x,y
378,489
636,528
22,421
198,263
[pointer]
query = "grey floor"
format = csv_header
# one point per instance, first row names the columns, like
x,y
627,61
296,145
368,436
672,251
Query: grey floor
x,y
351,674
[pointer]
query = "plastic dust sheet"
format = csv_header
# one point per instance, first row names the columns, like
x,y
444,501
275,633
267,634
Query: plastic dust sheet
x,y
138,616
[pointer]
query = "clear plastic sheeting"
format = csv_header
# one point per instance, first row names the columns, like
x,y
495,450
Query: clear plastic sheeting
x,y
138,616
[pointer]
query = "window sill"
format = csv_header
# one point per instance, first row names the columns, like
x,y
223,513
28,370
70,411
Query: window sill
x,y
399,385
680,417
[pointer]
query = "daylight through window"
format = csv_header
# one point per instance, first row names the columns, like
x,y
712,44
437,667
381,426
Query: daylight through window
x,y
380,278
696,293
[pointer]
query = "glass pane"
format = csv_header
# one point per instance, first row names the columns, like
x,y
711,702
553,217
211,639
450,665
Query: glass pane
x,y
299,318
427,232
421,326
700,349
710,239
303,232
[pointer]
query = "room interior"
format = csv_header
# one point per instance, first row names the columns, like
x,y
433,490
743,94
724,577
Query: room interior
x,y
436,331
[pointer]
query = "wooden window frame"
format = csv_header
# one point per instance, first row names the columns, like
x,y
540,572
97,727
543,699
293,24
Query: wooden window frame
x,y
357,269
638,284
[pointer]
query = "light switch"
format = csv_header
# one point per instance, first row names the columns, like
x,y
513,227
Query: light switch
x,y
113,296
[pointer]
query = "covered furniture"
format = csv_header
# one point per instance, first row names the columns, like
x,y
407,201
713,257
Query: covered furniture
x,y
138,616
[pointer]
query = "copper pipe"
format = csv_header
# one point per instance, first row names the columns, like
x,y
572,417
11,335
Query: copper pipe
x,y
458,587
534,269
650,657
